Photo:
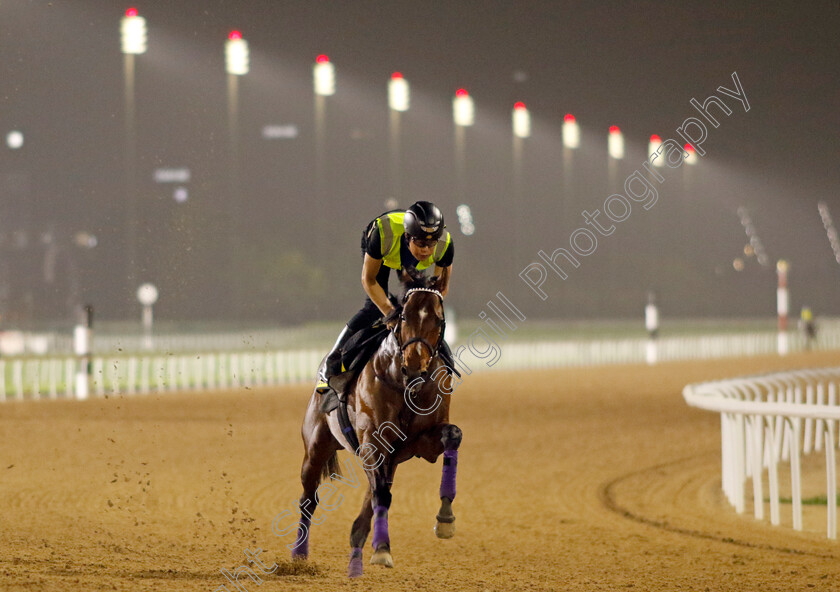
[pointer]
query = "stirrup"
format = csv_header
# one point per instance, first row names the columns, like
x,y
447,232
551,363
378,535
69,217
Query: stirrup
x,y
323,383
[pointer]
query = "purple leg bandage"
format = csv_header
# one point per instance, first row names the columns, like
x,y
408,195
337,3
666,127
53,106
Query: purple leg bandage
x,y
380,527
300,550
355,568
447,480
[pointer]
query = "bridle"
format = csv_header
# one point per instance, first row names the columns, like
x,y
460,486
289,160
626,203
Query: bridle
x,y
433,350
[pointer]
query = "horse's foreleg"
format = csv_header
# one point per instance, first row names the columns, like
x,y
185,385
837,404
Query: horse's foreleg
x,y
358,536
442,439
381,503
451,440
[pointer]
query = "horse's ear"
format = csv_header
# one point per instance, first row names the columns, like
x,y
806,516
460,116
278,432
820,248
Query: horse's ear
x,y
434,282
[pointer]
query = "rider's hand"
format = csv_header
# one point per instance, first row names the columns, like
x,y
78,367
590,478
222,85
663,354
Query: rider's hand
x,y
392,319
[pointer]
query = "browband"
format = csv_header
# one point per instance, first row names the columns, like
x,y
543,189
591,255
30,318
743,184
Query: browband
x,y
408,293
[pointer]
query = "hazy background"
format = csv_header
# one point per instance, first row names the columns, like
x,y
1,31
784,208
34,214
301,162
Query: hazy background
x,y
635,65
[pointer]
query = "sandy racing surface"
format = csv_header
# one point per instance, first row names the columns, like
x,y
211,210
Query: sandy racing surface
x,y
584,479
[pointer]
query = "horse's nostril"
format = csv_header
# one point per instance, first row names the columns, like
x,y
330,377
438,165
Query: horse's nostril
x,y
424,373
404,370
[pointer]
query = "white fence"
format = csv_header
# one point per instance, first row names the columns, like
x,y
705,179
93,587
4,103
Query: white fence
x,y
54,377
555,354
766,419
717,338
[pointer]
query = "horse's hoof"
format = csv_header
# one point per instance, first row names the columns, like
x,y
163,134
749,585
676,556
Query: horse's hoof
x,y
356,567
445,530
382,557
300,553
301,548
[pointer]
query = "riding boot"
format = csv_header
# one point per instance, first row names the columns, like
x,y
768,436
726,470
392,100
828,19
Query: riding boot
x,y
332,364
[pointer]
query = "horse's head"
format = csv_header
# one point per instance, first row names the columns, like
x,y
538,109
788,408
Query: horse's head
x,y
421,327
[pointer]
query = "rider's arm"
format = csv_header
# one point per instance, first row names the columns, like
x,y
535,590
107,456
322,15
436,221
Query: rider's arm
x,y
444,274
372,289
443,268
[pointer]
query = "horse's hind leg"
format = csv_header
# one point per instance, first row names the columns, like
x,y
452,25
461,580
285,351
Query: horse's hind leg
x,y
319,459
309,477
377,503
451,439
358,536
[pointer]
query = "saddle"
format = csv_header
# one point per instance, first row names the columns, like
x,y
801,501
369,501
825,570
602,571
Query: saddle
x,y
356,352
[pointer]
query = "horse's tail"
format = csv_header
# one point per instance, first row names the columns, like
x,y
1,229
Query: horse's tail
x,y
331,467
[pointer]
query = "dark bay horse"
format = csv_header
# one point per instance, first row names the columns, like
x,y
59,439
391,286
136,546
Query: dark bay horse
x,y
398,409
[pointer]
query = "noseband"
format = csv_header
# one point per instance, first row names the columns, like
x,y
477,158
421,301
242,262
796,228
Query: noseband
x,y
433,350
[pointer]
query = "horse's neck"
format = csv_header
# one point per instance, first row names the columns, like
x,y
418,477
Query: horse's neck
x,y
386,364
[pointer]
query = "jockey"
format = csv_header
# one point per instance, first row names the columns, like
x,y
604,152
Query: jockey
x,y
414,239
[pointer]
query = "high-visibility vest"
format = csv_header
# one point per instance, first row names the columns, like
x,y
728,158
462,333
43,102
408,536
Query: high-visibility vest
x,y
391,230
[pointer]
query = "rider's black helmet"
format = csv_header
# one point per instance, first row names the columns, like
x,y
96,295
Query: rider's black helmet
x,y
423,220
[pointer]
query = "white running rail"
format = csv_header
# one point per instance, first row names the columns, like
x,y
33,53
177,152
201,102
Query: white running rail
x,y
24,377
765,419
53,378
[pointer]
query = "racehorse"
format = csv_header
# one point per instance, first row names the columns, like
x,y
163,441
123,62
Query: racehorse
x,y
397,409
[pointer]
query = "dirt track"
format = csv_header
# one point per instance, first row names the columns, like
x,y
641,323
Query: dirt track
x,y
585,479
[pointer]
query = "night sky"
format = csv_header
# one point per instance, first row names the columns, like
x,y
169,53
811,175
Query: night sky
x,y
634,65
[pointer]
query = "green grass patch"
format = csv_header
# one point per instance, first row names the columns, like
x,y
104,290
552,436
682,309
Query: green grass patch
x,y
820,500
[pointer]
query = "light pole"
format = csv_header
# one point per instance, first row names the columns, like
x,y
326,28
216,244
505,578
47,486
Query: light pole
x,y
571,142
692,209
690,160
782,306
398,103
656,158
652,326
615,148
463,114
82,346
147,295
571,132
237,63
615,151
133,42
521,122
323,76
